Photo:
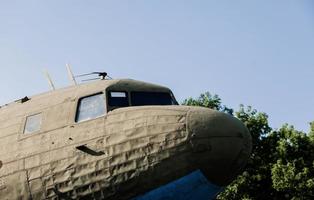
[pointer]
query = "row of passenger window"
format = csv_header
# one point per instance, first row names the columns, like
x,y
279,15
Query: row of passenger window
x,y
91,107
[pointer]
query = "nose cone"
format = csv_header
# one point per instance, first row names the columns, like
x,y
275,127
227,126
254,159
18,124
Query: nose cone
x,y
221,144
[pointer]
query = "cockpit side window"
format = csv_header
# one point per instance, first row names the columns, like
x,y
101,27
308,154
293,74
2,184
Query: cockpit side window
x,y
151,98
90,107
33,123
117,99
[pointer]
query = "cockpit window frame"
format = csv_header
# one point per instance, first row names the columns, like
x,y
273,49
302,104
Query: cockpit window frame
x,y
108,92
76,113
173,100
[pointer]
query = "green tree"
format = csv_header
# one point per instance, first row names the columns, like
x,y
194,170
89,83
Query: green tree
x,y
293,172
311,134
282,161
209,101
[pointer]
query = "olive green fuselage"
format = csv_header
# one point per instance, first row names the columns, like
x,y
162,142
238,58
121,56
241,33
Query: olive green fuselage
x,y
119,155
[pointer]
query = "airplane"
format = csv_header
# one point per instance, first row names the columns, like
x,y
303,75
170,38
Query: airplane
x,y
117,139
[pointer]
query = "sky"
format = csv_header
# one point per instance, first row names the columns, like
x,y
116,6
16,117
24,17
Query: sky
x,y
256,53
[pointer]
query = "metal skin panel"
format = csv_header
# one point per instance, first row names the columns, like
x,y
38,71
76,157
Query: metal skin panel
x,y
121,155
130,151
222,139
14,186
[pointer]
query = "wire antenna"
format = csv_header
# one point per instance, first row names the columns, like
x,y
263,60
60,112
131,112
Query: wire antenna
x,y
50,82
70,75
101,75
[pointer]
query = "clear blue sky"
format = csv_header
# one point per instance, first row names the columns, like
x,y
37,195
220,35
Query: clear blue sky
x,y
258,53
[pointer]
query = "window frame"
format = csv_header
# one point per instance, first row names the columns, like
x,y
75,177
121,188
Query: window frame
x,y
40,124
108,95
174,101
23,121
86,96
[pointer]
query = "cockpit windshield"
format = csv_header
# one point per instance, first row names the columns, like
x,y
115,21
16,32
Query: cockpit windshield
x,y
151,98
118,99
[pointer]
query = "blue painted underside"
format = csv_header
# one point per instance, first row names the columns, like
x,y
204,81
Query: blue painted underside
x,y
194,186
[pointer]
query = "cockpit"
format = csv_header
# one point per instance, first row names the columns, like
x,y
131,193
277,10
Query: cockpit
x,y
118,99
96,105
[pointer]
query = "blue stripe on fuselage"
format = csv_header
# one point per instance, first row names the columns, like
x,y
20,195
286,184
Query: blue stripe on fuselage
x,y
194,186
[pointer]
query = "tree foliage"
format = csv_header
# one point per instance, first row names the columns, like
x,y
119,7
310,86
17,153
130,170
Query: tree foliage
x,y
282,162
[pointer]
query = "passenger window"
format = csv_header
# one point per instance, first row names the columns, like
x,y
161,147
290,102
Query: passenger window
x,y
33,123
90,107
118,99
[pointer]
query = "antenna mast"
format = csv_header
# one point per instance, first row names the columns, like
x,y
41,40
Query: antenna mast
x,y
70,74
52,86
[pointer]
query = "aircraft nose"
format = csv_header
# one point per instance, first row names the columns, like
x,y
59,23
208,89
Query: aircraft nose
x,y
221,144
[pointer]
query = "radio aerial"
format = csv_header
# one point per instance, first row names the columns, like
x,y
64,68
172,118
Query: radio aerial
x,y
50,82
101,75
70,74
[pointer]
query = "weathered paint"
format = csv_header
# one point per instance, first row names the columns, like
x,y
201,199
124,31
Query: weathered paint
x,y
129,151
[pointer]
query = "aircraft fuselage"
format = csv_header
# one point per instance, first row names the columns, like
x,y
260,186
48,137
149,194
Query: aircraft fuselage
x,y
113,139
